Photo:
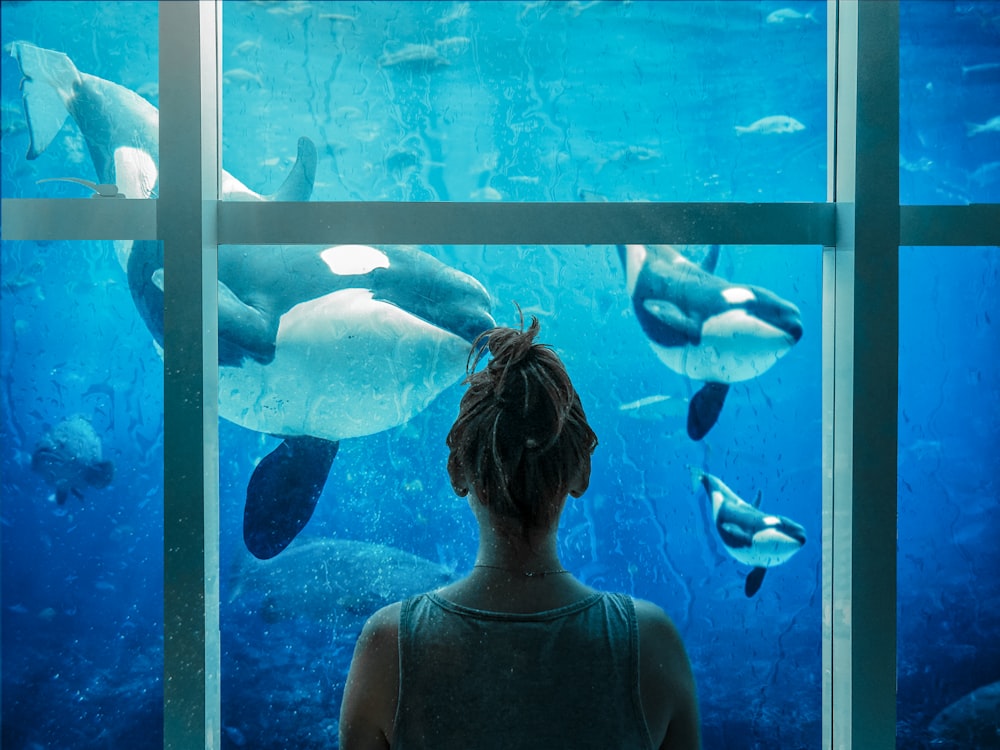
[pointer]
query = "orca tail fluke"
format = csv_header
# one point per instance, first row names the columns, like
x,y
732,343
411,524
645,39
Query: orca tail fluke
x,y
298,185
754,581
49,78
283,491
703,412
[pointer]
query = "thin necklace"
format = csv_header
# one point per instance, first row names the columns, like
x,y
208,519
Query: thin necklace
x,y
528,573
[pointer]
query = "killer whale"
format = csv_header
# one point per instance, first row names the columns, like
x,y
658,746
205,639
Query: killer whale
x,y
316,344
704,327
749,535
121,130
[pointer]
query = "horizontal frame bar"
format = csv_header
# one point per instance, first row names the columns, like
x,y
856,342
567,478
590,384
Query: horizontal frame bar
x,y
526,223
78,219
495,223
973,225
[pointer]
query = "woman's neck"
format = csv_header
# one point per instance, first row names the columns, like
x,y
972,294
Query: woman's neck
x,y
515,550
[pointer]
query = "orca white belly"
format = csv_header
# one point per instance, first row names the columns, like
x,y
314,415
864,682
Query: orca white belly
x,y
345,365
734,347
770,548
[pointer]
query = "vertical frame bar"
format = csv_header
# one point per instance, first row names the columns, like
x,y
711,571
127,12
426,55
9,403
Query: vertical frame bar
x,y
861,277
186,225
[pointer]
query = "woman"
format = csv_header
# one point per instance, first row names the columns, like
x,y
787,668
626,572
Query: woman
x,y
519,653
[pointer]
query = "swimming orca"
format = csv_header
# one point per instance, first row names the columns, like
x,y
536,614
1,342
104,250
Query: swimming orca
x,y
121,130
316,344
704,327
749,535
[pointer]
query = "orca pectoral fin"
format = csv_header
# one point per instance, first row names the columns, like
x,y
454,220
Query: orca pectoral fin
x,y
735,535
283,491
244,331
675,319
754,580
711,259
704,409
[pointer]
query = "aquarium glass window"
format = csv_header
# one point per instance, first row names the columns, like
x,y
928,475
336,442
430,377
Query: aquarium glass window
x,y
524,101
388,525
51,47
949,412
949,138
82,502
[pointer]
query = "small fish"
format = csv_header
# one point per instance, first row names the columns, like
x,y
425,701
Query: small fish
x,y
342,17
242,77
247,46
658,407
457,13
289,8
981,72
991,126
772,125
790,16
413,55
986,174
68,457
13,119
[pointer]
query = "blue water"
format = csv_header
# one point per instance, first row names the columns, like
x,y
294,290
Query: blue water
x,y
511,101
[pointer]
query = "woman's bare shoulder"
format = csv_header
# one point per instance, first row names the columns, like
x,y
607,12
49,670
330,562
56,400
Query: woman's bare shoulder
x,y
384,622
666,683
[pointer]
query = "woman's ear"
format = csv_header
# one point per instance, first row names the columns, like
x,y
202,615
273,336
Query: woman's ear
x,y
581,481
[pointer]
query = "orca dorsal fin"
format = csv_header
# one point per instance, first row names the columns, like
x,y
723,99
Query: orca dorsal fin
x,y
711,260
756,500
298,185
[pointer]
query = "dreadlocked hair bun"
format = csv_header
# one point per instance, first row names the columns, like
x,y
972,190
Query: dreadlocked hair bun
x,y
521,438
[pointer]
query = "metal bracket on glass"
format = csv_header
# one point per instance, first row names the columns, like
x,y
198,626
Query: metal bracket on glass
x,y
100,191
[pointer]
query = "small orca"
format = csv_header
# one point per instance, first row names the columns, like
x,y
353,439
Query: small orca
x,y
754,538
316,344
704,327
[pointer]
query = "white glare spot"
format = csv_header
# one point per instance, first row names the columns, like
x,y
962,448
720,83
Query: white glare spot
x,y
737,295
353,260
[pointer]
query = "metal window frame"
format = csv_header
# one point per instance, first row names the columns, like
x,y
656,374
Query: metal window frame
x,y
861,228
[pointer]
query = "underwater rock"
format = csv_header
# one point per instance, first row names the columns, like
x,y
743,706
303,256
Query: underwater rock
x,y
971,721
